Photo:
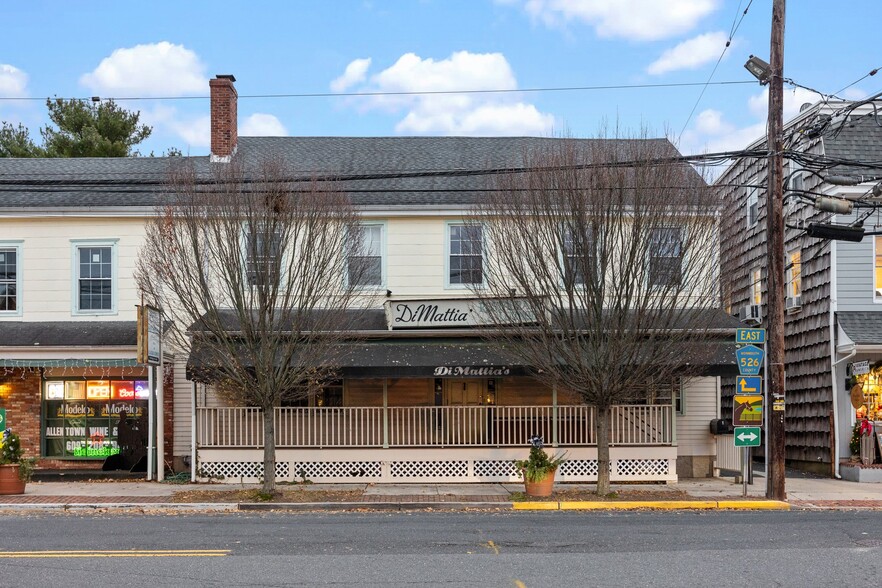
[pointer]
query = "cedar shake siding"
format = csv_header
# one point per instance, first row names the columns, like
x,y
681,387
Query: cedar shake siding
x,y
809,392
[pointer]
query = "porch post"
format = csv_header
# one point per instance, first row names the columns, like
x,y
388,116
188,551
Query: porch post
x,y
673,420
385,413
193,463
554,415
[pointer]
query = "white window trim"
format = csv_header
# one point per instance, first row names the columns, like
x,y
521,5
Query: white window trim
x,y
877,298
752,196
681,410
684,237
563,265
447,284
788,273
383,258
75,245
798,171
243,244
755,284
19,294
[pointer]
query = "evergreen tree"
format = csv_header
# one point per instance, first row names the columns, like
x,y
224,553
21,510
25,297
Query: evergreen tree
x,y
81,129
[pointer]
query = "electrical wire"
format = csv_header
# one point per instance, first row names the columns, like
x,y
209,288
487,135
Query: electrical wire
x,y
716,65
401,93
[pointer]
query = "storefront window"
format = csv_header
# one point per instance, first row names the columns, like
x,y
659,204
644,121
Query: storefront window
x,y
81,417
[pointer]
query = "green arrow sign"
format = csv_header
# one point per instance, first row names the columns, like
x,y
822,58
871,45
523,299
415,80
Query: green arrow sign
x,y
2,419
747,436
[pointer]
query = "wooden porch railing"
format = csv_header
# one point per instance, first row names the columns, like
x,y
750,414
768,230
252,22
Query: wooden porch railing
x,y
433,426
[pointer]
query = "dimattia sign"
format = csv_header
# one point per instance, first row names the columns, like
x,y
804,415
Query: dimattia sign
x,y
456,312
465,371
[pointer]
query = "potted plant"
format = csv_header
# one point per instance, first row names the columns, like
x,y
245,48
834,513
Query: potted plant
x,y
539,469
15,470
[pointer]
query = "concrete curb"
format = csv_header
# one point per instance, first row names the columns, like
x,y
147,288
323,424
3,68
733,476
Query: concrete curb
x,y
404,506
183,506
395,506
657,505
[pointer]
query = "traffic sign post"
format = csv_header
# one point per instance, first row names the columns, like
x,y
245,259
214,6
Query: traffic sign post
x,y
747,436
748,400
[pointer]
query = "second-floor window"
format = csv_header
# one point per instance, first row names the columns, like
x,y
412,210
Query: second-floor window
x,y
794,273
466,255
579,256
756,286
666,257
752,208
365,267
94,278
262,250
9,280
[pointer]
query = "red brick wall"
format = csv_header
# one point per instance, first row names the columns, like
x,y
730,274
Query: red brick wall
x,y
20,396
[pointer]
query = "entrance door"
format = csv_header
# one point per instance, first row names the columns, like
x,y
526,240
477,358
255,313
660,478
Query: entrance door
x,y
467,421
465,392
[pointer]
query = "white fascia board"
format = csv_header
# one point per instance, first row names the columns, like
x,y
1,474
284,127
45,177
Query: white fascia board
x,y
79,212
69,352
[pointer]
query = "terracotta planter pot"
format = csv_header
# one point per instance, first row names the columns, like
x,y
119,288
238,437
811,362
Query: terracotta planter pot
x,y
9,481
542,487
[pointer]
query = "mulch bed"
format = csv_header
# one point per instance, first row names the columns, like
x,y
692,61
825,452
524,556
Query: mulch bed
x,y
282,495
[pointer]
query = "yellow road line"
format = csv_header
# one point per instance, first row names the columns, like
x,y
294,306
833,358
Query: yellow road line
x,y
492,546
519,584
119,553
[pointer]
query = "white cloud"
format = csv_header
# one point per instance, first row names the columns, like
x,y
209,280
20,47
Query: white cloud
x,y
690,54
454,114
793,100
355,73
713,133
157,69
13,82
195,131
643,20
262,125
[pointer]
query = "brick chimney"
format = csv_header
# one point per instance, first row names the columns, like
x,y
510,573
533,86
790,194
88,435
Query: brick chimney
x,y
224,130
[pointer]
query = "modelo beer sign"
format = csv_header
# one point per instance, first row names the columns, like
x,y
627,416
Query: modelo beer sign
x,y
458,312
462,371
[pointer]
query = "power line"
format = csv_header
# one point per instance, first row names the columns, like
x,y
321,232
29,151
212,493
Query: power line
x,y
407,93
716,65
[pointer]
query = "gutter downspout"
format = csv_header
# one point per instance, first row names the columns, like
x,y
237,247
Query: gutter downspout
x,y
833,360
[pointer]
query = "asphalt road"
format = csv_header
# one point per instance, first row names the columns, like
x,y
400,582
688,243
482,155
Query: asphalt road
x,y
511,549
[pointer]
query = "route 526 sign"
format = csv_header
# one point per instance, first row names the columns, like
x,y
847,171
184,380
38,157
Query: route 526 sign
x,y
750,360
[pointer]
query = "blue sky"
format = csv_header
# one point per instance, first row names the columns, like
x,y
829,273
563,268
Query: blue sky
x,y
161,49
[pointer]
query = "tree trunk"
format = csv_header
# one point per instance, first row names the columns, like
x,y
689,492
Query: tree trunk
x,y
601,427
269,450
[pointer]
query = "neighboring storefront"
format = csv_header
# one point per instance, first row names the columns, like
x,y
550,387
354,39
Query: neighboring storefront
x,y
82,418
71,404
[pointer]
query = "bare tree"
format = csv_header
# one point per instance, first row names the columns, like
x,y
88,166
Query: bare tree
x,y
251,270
609,252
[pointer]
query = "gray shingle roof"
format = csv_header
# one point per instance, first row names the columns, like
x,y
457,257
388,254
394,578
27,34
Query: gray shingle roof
x,y
864,328
95,182
860,140
68,334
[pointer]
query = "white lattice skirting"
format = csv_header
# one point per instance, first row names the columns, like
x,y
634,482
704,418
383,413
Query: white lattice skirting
x,y
633,464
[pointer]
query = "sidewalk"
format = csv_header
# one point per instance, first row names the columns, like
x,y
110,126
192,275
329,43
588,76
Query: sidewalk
x,y
702,493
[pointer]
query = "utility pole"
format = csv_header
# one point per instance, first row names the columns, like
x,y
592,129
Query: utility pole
x,y
775,436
